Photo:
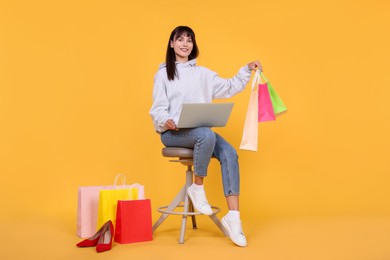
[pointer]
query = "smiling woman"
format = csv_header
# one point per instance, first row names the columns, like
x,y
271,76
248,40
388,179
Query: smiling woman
x,y
180,81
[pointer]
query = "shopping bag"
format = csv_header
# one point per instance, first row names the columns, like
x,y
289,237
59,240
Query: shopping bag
x,y
108,200
88,204
266,111
250,133
277,103
133,221
87,210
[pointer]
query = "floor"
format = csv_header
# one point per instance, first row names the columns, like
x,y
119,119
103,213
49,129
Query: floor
x,y
315,238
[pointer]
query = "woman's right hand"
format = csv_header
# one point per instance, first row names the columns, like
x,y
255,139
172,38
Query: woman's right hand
x,y
170,125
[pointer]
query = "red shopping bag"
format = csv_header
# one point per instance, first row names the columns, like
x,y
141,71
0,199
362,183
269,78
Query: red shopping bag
x,y
266,110
133,221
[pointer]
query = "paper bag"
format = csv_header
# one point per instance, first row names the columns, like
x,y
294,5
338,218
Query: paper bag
x,y
277,103
266,110
133,221
249,139
108,200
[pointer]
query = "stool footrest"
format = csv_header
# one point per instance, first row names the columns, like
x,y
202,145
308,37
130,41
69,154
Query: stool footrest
x,y
164,211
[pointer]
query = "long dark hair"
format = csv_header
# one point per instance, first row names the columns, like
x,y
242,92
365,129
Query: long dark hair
x,y
171,57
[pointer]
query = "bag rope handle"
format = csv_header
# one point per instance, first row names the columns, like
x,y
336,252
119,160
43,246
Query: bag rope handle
x,y
123,178
262,74
256,79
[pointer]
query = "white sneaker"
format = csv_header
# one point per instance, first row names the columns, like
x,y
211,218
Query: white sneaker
x,y
235,232
199,200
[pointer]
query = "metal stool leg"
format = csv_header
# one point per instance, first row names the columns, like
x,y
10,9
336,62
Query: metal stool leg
x,y
183,222
189,176
219,224
194,226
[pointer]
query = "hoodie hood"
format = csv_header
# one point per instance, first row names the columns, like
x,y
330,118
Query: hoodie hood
x,y
190,63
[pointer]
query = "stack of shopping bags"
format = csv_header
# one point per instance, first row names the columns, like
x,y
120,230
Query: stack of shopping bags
x,y
118,212
264,105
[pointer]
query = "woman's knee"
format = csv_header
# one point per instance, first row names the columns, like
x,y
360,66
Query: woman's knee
x,y
205,134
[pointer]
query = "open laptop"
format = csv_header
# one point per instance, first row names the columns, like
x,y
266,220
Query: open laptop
x,y
204,114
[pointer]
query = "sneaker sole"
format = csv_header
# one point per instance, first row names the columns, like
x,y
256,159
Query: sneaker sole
x,y
226,226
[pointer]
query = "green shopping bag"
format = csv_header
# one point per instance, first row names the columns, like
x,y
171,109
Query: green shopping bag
x,y
277,103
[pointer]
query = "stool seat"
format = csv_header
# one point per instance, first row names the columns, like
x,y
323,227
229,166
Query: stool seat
x,y
180,152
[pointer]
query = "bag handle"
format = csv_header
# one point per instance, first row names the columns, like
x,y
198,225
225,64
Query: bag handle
x,y
129,189
256,79
262,74
123,178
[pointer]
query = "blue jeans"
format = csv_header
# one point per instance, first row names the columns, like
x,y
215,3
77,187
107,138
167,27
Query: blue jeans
x,y
206,143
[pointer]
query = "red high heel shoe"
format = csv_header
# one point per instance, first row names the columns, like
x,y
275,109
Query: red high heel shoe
x,y
105,239
93,241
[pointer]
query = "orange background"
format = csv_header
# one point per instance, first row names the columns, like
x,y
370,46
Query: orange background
x,y
76,82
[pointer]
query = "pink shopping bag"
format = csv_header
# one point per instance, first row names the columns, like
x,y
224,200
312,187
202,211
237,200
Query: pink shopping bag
x,y
87,210
266,111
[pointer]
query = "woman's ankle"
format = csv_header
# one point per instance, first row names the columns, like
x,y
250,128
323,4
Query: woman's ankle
x,y
198,180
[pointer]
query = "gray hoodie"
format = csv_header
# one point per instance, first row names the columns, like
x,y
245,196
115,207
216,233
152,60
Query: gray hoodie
x,y
193,84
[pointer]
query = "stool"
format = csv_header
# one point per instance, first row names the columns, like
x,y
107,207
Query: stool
x,y
185,156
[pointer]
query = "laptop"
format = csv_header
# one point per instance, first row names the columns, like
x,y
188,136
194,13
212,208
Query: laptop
x,y
204,114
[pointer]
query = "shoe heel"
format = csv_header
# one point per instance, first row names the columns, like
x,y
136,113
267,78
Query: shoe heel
x,y
105,239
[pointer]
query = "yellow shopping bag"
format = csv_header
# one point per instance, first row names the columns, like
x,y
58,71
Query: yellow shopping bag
x,y
108,200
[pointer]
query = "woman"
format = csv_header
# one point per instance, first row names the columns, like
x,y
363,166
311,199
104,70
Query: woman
x,y
180,81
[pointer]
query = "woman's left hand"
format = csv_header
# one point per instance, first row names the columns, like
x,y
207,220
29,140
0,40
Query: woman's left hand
x,y
254,65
